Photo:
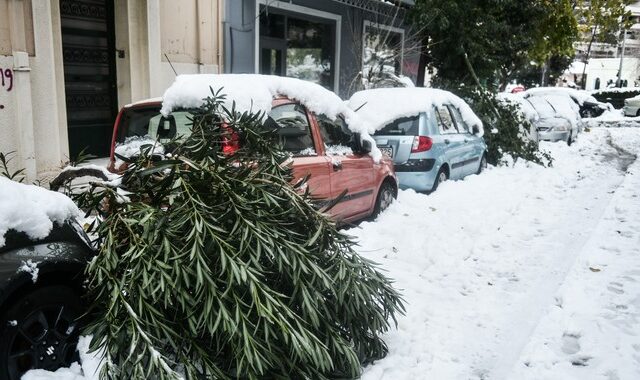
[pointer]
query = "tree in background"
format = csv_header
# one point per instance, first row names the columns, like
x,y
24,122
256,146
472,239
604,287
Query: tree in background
x,y
496,37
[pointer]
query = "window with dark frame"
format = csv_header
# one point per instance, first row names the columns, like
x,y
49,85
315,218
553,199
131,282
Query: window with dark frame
x,y
297,46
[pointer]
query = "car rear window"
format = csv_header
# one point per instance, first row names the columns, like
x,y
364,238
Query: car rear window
x,y
148,122
406,126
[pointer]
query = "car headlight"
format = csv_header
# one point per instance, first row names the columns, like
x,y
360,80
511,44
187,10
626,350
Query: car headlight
x,y
560,128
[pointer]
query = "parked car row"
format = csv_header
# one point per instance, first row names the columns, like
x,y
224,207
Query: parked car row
x,y
428,135
555,113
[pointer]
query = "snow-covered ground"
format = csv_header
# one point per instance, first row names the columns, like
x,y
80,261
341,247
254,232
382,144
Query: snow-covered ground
x,y
520,273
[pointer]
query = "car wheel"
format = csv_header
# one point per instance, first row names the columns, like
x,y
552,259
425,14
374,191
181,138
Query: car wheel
x,y
638,112
570,139
483,164
441,177
386,195
40,332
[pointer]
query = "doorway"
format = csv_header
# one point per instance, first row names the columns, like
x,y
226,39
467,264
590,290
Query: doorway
x,y
88,45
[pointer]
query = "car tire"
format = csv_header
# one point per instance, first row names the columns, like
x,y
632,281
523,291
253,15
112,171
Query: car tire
x,y
570,139
386,195
483,164
441,177
638,112
40,331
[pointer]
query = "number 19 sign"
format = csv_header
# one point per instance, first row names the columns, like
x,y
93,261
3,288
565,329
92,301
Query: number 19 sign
x,y
6,81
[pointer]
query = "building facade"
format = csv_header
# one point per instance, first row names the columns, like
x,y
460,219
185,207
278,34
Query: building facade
x,y
329,42
68,66
607,59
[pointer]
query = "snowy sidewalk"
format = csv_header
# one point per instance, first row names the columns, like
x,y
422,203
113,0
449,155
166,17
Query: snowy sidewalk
x,y
593,331
481,262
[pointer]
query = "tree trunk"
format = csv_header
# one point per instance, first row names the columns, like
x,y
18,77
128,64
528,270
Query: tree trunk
x,y
422,64
583,80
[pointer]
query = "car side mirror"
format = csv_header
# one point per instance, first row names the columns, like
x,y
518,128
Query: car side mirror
x,y
475,130
366,146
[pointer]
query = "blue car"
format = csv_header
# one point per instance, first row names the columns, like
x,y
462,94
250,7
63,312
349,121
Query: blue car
x,y
432,135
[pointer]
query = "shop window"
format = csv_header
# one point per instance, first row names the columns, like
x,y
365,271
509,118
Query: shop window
x,y
297,47
382,55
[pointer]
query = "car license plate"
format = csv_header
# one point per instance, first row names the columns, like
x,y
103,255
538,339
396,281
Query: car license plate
x,y
386,150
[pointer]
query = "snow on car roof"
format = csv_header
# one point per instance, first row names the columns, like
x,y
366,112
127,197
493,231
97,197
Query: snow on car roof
x,y
380,106
31,209
144,101
255,93
527,108
578,95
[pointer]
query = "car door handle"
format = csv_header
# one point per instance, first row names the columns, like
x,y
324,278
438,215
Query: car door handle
x,y
446,141
466,140
337,165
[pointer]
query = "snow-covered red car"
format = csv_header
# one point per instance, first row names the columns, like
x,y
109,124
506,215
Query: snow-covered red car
x,y
325,138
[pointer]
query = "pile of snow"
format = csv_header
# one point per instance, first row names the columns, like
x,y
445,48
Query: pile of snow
x,y
255,93
31,268
378,107
132,145
32,209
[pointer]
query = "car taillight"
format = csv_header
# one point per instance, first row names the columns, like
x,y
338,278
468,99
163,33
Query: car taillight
x,y
230,142
421,144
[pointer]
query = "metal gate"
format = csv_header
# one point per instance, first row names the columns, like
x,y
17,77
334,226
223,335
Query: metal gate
x,y
88,44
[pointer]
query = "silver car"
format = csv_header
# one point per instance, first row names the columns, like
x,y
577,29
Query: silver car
x,y
552,125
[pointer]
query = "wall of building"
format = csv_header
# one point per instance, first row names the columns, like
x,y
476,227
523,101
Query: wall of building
x,y
33,120
606,69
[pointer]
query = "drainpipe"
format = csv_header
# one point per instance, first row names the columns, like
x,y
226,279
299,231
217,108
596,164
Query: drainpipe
x,y
24,113
22,90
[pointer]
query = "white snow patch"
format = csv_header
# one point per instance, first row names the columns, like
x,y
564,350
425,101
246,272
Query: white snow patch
x,y
380,106
337,150
31,268
32,209
132,146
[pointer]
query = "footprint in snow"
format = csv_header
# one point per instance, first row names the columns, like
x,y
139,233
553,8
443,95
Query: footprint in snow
x,y
615,287
570,343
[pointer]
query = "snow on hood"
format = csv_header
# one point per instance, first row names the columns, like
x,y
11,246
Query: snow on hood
x,y
578,95
380,106
255,93
32,209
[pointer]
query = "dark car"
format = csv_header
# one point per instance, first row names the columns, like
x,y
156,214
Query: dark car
x,y
40,310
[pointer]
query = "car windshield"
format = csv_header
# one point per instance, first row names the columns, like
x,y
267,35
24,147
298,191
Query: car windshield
x,y
406,126
149,122
543,107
